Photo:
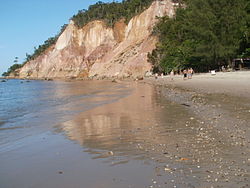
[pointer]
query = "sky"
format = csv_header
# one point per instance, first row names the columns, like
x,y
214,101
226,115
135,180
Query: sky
x,y
25,24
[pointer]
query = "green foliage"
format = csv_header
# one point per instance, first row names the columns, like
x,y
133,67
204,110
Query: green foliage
x,y
12,69
204,35
244,50
111,12
5,74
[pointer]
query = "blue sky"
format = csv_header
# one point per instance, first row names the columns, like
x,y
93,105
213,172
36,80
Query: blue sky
x,y
26,24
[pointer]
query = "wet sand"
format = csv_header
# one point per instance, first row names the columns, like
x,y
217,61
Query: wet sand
x,y
192,133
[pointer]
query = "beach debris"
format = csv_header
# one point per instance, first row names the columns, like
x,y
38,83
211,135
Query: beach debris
x,y
139,78
60,172
213,73
167,169
183,159
48,79
110,153
114,81
183,104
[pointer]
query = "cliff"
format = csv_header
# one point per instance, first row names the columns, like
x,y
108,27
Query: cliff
x,y
96,50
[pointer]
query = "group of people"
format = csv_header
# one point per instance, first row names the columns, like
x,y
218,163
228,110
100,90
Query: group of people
x,y
188,74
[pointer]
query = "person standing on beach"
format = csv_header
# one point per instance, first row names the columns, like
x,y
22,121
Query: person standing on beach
x,y
223,69
172,75
156,75
184,74
191,72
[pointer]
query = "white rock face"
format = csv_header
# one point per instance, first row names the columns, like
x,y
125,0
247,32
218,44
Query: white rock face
x,y
65,38
94,35
99,51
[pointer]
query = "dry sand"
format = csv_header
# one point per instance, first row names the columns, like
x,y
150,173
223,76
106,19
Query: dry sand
x,y
235,83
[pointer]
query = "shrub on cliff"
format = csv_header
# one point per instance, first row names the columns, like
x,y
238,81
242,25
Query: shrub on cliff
x,y
13,68
111,12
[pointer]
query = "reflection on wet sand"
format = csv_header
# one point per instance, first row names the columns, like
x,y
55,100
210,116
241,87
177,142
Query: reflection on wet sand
x,y
146,126
128,126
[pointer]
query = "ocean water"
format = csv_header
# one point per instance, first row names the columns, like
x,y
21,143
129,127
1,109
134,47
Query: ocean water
x,y
29,107
86,134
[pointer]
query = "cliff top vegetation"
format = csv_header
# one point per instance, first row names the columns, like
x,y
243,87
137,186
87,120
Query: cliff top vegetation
x,y
111,12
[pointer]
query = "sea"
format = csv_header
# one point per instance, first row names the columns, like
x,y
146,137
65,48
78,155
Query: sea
x,y
74,134
29,107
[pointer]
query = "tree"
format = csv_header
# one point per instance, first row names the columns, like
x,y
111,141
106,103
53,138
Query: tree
x,y
204,35
5,74
244,50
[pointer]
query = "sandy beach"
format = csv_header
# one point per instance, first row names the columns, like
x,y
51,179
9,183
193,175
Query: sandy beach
x,y
235,83
163,133
220,104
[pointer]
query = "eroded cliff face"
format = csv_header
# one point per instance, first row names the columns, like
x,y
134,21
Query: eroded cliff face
x,y
99,51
